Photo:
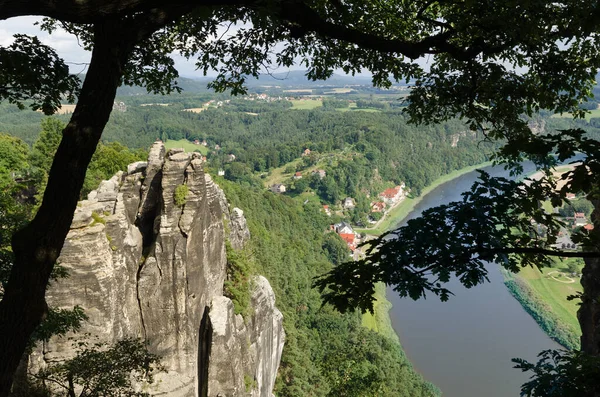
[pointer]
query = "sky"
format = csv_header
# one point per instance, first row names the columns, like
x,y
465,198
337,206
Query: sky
x,y
67,47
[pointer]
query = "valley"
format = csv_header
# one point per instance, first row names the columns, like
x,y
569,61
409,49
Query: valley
x,y
347,146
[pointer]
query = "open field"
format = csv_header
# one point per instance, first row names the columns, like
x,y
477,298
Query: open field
x,y
65,109
186,145
194,110
277,175
558,171
592,114
300,91
306,104
339,91
553,289
355,109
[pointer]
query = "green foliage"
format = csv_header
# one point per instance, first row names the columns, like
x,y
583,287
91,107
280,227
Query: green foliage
x,y
561,374
180,195
326,353
581,205
334,104
574,266
237,287
13,216
13,160
32,73
59,322
336,248
250,383
376,215
43,150
102,370
108,160
97,218
45,146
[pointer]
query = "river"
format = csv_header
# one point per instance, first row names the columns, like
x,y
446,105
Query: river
x,y
464,346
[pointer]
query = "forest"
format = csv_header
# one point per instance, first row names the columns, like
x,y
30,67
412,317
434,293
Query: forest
x,y
361,152
326,353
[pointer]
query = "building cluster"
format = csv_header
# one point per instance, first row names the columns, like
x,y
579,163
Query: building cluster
x,y
388,198
119,106
263,97
203,142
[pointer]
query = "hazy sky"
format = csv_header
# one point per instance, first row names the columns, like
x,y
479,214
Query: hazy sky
x,y
67,47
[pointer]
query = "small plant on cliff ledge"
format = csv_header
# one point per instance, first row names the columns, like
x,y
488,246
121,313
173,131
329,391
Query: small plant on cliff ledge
x,y
239,272
180,195
250,383
97,219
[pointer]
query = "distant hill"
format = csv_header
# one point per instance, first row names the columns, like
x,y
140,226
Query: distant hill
x,y
293,78
187,84
297,78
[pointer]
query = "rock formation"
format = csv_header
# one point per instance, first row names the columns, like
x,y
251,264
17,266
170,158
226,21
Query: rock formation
x,y
143,263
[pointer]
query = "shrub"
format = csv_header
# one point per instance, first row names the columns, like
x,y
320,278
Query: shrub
x,y
180,195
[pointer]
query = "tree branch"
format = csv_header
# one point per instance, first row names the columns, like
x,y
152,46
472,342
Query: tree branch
x,y
299,13
93,11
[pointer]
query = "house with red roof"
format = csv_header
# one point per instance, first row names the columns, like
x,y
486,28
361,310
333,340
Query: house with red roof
x,y
392,195
588,227
377,206
298,175
349,238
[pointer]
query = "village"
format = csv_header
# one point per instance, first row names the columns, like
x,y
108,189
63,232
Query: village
x,y
378,207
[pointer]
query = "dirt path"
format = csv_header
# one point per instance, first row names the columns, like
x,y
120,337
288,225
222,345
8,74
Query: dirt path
x,y
570,280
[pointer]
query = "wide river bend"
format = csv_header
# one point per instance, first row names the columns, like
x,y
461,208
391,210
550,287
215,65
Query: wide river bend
x,y
464,346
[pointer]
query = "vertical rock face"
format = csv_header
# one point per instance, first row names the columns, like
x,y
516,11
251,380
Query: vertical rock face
x,y
144,264
254,346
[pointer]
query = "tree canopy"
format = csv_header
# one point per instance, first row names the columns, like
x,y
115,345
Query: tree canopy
x,y
491,63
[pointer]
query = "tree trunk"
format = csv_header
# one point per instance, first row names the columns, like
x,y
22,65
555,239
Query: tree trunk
x,y
589,312
37,246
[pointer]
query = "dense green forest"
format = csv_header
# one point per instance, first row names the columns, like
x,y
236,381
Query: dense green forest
x,y
361,152
326,353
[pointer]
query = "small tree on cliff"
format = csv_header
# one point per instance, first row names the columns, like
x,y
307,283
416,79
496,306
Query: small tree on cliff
x,y
474,51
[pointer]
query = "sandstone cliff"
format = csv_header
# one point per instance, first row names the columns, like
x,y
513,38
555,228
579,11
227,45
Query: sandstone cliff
x,y
142,263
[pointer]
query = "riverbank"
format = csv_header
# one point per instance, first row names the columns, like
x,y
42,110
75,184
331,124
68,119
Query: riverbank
x,y
544,296
380,321
547,309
